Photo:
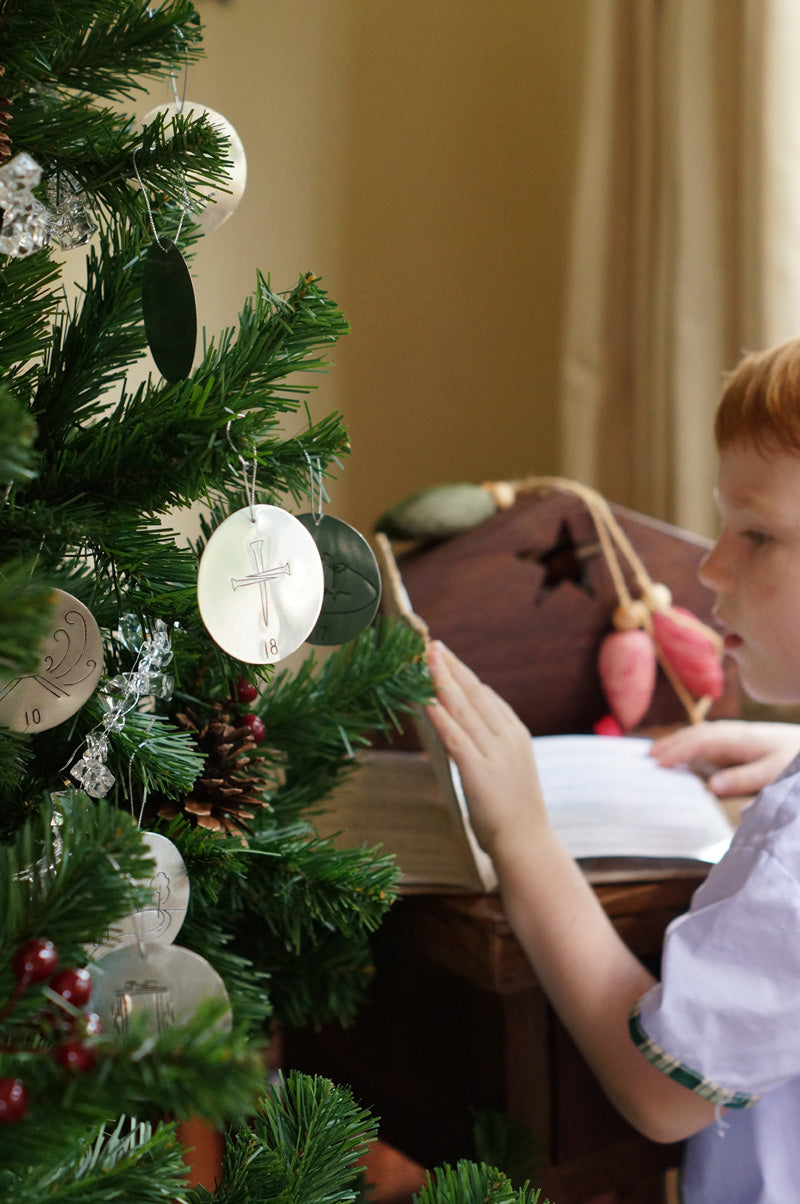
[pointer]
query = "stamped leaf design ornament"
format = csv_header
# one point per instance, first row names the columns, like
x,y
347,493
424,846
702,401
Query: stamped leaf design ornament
x,y
352,580
70,665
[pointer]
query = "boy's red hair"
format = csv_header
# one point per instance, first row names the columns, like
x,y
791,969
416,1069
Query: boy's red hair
x,y
760,403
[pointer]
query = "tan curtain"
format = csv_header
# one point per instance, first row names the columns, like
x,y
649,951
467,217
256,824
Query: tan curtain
x,y
686,237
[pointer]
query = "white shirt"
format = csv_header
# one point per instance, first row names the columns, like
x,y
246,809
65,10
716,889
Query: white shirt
x,y
725,1019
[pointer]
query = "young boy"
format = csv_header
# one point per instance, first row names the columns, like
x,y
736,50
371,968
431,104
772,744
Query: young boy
x,y
718,1039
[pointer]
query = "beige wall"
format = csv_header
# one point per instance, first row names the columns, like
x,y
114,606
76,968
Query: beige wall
x,y
418,156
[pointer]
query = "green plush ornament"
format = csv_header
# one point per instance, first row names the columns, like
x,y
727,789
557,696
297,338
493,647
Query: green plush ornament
x,y
438,512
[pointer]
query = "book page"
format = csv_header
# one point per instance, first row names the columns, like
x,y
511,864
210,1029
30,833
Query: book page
x,y
608,798
392,800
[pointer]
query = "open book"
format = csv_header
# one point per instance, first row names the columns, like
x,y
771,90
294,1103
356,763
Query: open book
x,y
623,816
620,814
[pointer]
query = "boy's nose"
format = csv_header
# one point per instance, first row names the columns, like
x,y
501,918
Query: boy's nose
x,y
711,570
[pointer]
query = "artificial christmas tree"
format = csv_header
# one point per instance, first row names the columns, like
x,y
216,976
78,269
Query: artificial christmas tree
x,y
152,786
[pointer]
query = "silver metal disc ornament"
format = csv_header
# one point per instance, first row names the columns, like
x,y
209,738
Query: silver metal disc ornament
x,y
260,584
162,922
69,669
163,984
352,579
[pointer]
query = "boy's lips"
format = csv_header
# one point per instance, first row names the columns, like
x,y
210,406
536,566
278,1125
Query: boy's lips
x,y
730,639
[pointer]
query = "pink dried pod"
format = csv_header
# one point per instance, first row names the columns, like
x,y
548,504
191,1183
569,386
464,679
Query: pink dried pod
x,y
692,650
627,666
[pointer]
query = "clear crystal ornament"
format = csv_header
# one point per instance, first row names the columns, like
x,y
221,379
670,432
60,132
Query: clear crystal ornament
x,y
162,685
140,681
114,720
131,631
117,684
93,774
121,694
98,779
24,217
68,220
97,744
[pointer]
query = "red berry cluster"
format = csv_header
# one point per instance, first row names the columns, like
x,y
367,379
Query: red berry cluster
x,y
246,692
69,1029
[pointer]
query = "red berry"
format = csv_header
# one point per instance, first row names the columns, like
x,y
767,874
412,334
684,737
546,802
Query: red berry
x,y
13,1101
76,1057
75,1026
256,724
92,1025
35,961
246,691
74,985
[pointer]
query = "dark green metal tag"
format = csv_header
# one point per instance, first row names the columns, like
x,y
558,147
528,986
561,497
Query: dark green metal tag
x,y
169,310
352,580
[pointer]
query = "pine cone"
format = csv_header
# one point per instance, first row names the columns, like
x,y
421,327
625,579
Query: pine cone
x,y
227,792
5,117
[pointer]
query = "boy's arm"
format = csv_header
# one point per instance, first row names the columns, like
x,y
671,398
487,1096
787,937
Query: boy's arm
x,y
588,973
750,754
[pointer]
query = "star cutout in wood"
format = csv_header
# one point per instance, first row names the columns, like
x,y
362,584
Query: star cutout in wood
x,y
566,560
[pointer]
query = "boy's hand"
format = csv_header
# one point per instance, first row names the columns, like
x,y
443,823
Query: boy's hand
x,y
751,754
492,749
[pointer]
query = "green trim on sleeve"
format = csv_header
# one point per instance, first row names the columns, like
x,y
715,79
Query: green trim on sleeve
x,y
683,1074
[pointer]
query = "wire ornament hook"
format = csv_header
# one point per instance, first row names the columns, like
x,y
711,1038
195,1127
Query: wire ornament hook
x,y
245,465
148,206
315,485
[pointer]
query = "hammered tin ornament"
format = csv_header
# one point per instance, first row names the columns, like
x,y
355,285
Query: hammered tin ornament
x,y
159,985
69,669
219,201
162,922
169,310
260,584
352,579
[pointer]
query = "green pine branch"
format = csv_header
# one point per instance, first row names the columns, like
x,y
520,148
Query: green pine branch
x,y
70,872
473,1183
22,627
129,1160
313,885
327,982
196,1069
104,47
179,439
278,334
73,869
17,435
106,160
16,762
28,301
318,716
92,346
305,917
302,1147
502,1141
